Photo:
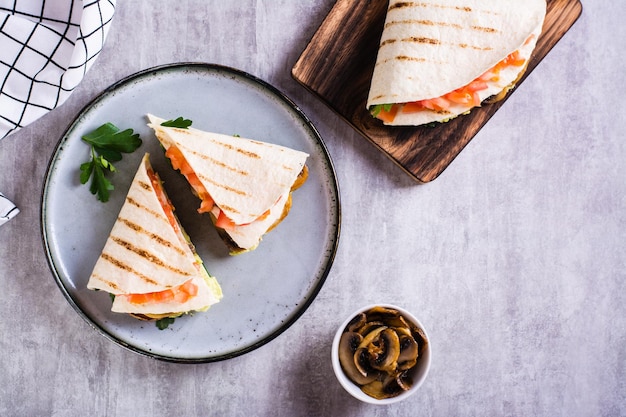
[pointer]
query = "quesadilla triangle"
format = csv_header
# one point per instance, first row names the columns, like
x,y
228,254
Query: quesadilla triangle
x,y
246,185
148,262
441,58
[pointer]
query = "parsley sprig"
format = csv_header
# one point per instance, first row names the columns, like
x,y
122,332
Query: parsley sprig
x,y
178,122
108,143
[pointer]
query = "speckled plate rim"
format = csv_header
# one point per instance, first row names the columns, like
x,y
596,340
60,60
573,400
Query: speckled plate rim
x,y
335,213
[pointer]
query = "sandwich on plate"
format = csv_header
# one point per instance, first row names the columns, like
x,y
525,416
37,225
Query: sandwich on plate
x,y
148,262
245,185
441,58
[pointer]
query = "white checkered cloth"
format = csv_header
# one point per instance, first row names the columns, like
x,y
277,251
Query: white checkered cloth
x,y
7,210
46,48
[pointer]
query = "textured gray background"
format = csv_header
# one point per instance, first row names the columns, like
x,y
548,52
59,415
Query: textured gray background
x,y
514,258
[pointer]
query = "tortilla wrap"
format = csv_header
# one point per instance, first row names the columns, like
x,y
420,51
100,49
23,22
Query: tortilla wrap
x,y
248,180
143,252
429,49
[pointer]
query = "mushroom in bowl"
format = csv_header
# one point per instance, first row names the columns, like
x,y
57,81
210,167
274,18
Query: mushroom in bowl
x,y
381,354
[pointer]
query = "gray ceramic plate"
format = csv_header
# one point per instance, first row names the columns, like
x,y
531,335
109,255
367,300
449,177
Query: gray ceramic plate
x,y
265,291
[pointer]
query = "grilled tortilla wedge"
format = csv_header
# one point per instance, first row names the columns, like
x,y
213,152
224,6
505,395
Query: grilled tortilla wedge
x,y
244,184
441,58
148,262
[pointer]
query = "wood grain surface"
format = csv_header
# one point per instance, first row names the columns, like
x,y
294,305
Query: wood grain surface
x,y
337,66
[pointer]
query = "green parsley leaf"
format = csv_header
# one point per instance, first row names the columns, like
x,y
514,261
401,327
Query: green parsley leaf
x,y
178,122
100,185
107,145
104,130
108,154
111,138
85,171
163,323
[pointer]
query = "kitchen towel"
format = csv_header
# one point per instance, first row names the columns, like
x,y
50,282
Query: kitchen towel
x,y
46,48
7,210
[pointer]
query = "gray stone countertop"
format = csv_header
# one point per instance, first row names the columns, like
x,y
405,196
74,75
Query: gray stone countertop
x,y
514,258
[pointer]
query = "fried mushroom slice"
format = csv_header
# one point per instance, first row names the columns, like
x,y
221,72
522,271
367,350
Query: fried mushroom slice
x,y
348,345
383,314
369,326
390,386
408,352
362,362
370,336
384,351
397,383
375,390
357,323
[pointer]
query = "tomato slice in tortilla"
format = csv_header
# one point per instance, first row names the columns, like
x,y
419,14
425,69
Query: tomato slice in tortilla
x,y
180,294
389,115
180,163
223,222
165,202
467,95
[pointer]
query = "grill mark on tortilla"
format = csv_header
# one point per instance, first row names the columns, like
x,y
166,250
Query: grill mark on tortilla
x,y
121,265
422,40
409,58
387,42
225,145
422,22
402,58
485,29
223,186
467,9
228,146
478,48
153,236
214,161
416,4
147,255
109,283
248,153
432,41
144,208
145,186
229,208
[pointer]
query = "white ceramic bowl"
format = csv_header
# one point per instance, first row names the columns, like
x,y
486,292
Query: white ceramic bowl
x,y
418,372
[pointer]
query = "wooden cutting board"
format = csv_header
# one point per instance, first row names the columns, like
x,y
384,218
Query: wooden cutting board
x,y
337,66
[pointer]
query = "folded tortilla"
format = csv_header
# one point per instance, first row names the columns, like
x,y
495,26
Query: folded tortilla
x,y
430,49
146,253
249,180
